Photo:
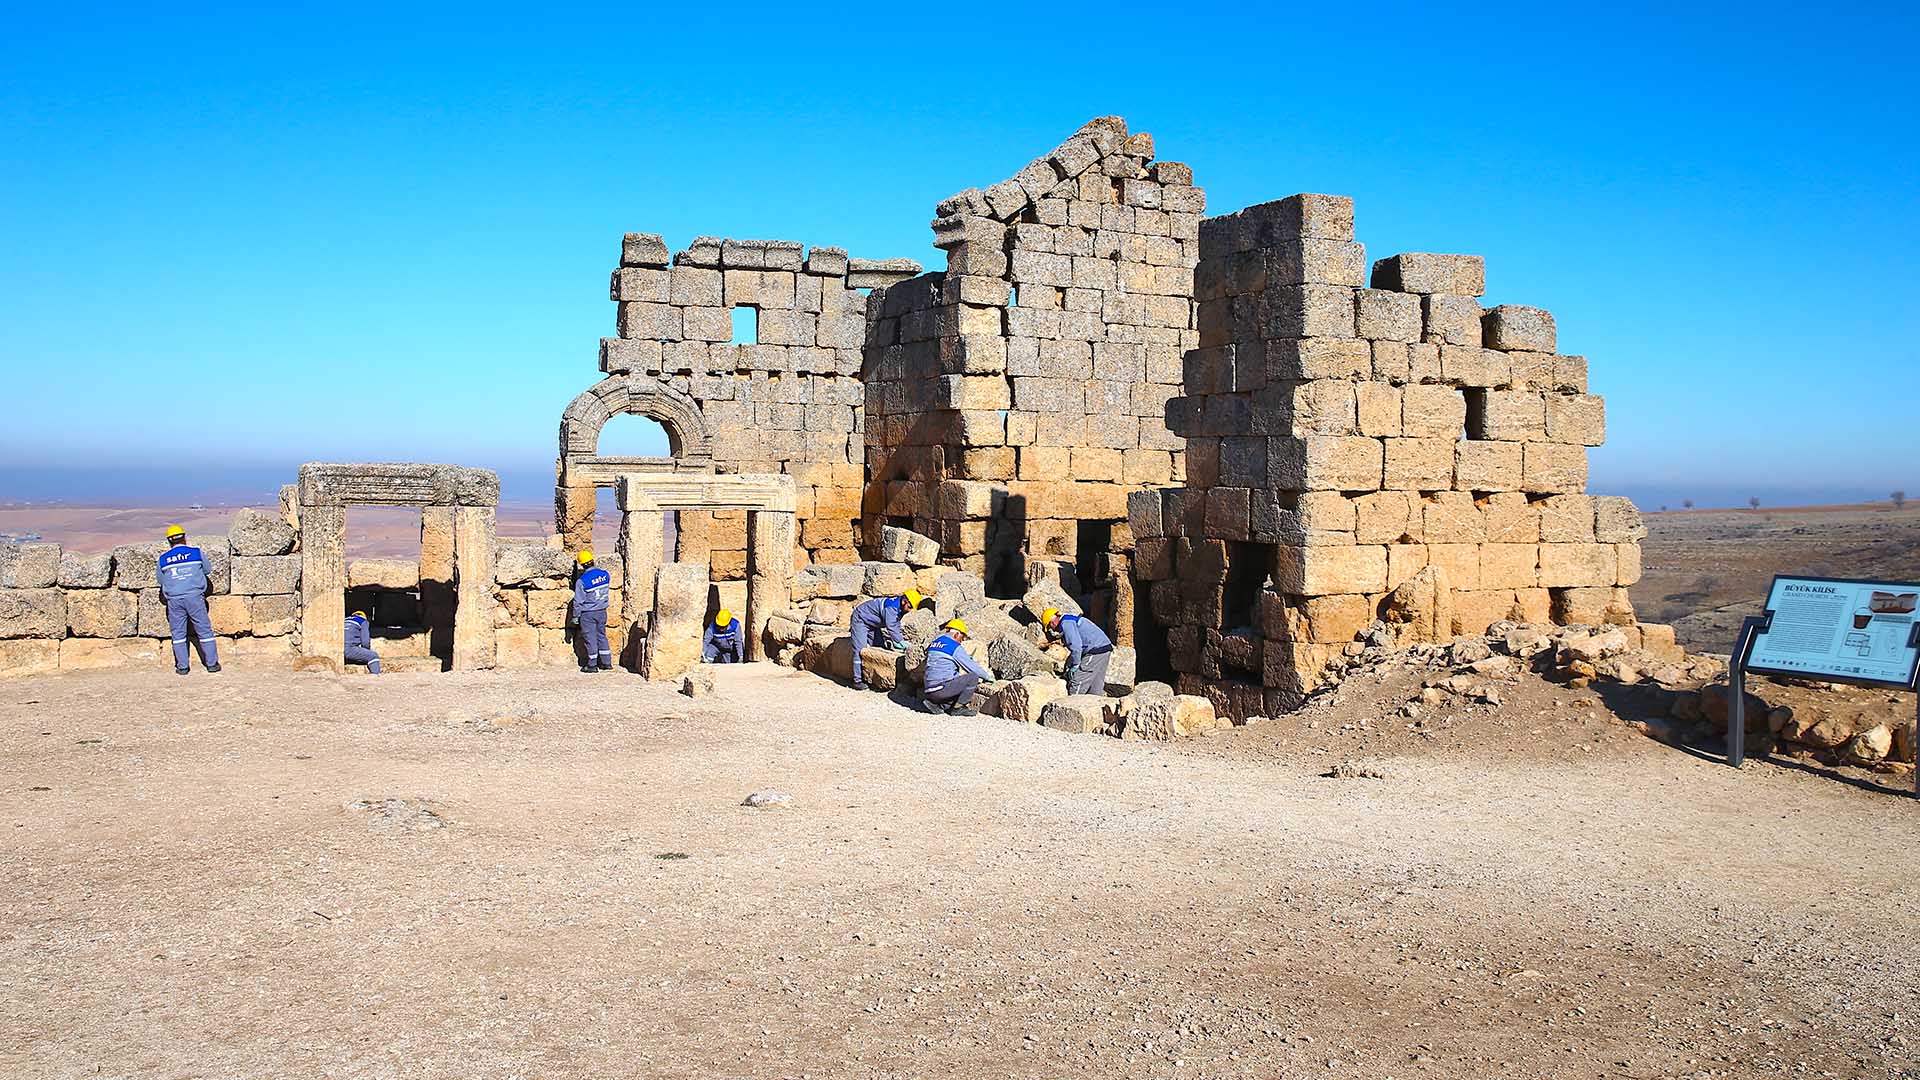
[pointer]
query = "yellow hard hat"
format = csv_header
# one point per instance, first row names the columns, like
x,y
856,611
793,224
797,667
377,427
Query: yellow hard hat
x,y
1047,616
914,599
585,556
959,625
723,618
175,530
359,614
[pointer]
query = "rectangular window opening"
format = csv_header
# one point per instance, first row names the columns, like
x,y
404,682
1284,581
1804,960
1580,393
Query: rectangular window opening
x,y
746,325
1248,567
1476,413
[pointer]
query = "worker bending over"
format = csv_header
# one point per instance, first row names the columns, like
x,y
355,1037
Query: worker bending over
x,y
592,590
184,586
879,615
1088,650
360,643
952,673
722,643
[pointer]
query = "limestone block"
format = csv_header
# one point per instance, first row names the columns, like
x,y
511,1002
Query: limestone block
x,y
881,578
229,614
1426,272
1576,418
135,566
255,575
1326,216
1451,320
33,613
1569,374
1317,358
1332,619
1420,608
1387,517
1321,571
516,647
1627,557
715,324
1567,519
840,582
79,571
548,607
1509,566
1576,565
827,261
1657,638
1326,463
1510,518
1460,562
1079,714
475,539
1470,365
153,615
1404,562
1474,610
1319,407
20,658
1315,261
1452,517
383,574
1487,466
254,532
1387,316
675,624
1418,464
1517,328
1307,311
1432,412
1553,467
527,563
1507,415
1616,520
1025,700
1378,408
1010,656
271,616
909,547
642,249
323,577
1162,719
103,613
94,654
29,565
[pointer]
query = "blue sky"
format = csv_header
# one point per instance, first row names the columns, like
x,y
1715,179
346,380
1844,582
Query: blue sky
x,y
232,240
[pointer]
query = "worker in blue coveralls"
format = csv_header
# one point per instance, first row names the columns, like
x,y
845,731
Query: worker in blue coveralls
x,y
880,615
723,643
360,643
1088,651
184,585
592,592
952,673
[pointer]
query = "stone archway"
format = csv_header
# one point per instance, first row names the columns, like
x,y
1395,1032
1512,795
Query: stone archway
x,y
582,468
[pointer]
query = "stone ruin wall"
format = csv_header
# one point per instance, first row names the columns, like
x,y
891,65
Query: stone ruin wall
x,y
1022,391
789,403
1359,450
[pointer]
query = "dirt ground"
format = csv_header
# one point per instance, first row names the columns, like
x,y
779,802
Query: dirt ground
x,y
545,874
1706,570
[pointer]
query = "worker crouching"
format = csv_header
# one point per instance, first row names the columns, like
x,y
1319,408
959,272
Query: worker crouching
x,y
360,643
723,643
952,674
1088,651
879,618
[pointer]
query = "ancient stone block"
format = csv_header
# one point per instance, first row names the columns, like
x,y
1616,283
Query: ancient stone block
x,y
674,627
1487,466
1564,565
1616,520
33,613
474,541
642,249
1079,714
135,566
1576,418
1418,464
383,574
1025,700
1507,415
1432,412
259,574
519,563
1425,272
1460,562
1386,517
1317,358
1510,518
1470,365
102,613
1319,571
1387,316
271,616
1159,719
1452,517
1451,320
1378,408
29,656
1553,467
1326,463
256,533
1518,328
1305,311
1314,261
29,565
1509,566
1627,560
79,571
1567,519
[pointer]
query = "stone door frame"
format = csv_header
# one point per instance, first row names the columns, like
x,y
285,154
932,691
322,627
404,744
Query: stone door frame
x,y
769,500
458,507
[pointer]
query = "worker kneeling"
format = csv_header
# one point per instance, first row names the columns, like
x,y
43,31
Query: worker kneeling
x,y
360,643
1088,651
722,643
592,590
878,616
952,673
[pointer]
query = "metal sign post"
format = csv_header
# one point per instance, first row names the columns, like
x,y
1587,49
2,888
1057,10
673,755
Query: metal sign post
x,y
1737,686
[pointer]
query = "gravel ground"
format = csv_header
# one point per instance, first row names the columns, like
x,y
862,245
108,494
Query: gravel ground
x,y
542,874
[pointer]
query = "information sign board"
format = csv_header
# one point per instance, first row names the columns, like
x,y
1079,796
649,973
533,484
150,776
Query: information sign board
x,y
1841,630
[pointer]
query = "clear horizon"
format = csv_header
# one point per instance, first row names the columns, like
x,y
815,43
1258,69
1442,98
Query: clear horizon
x,y
246,239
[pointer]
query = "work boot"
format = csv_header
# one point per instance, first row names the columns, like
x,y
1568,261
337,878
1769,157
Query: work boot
x,y
963,710
213,669
180,671
933,707
859,686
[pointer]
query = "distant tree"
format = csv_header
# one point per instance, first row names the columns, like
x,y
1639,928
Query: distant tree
x,y
1899,499
1686,504
1663,508
1754,502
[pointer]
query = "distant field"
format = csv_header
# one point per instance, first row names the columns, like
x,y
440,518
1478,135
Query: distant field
x,y
372,532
